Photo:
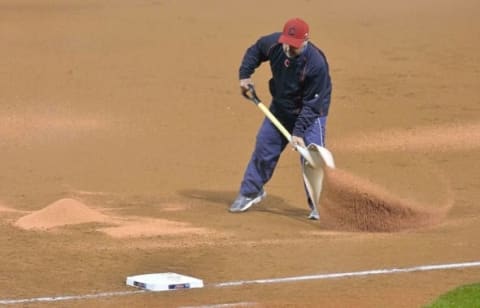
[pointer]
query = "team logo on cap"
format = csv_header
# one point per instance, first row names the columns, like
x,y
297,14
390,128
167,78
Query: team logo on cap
x,y
292,31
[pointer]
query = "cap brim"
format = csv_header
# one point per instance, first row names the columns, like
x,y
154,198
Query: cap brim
x,y
285,39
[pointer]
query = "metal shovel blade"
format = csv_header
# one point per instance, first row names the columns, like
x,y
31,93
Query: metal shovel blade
x,y
321,156
313,172
305,153
316,156
313,178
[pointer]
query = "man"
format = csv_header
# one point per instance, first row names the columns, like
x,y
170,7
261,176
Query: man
x,y
301,88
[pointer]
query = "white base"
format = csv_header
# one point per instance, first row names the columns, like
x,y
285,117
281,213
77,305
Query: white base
x,y
164,282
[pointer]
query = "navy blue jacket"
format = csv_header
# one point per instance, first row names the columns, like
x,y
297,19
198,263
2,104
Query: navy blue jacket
x,y
300,87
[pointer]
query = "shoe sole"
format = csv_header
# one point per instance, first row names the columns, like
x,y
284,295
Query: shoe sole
x,y
249,204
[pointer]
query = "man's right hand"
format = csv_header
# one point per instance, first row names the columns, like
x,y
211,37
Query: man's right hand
x,y
245,85
297,141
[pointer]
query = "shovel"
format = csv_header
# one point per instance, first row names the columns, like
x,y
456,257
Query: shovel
x,y
315,157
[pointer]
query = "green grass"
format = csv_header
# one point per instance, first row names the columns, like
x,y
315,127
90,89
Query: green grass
x,y
464,296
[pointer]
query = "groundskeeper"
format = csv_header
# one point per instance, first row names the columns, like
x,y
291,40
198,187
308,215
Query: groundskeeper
x,y
301,89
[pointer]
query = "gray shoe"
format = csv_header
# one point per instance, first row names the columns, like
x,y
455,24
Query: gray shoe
x,y
243,203
314,215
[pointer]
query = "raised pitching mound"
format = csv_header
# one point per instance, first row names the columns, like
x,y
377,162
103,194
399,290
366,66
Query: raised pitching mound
x,y
349,203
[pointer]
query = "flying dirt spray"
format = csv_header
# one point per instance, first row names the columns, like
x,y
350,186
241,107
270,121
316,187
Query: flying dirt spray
x,y
349,203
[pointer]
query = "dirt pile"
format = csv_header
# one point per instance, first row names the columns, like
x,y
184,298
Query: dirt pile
x,y
60,213
69,211
350,203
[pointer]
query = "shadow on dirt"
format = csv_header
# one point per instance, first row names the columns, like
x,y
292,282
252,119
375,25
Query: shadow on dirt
x,y
272,204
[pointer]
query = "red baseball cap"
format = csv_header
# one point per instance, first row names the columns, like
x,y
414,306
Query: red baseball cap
x,y
295,32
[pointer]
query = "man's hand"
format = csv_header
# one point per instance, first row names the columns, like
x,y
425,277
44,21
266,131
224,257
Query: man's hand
x,y
297,141
244,85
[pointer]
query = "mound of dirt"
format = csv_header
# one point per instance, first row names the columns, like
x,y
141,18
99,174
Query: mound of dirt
x,y
60,213
73,212
349,203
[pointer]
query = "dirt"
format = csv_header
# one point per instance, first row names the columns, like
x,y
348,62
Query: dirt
x,y
63,212
457,137
353,204
123,141
71,212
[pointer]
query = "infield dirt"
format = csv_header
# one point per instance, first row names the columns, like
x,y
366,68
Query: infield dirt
x,y
123,140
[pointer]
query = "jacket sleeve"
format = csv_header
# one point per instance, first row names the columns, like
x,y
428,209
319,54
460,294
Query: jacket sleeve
x,y
255,55
316,99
